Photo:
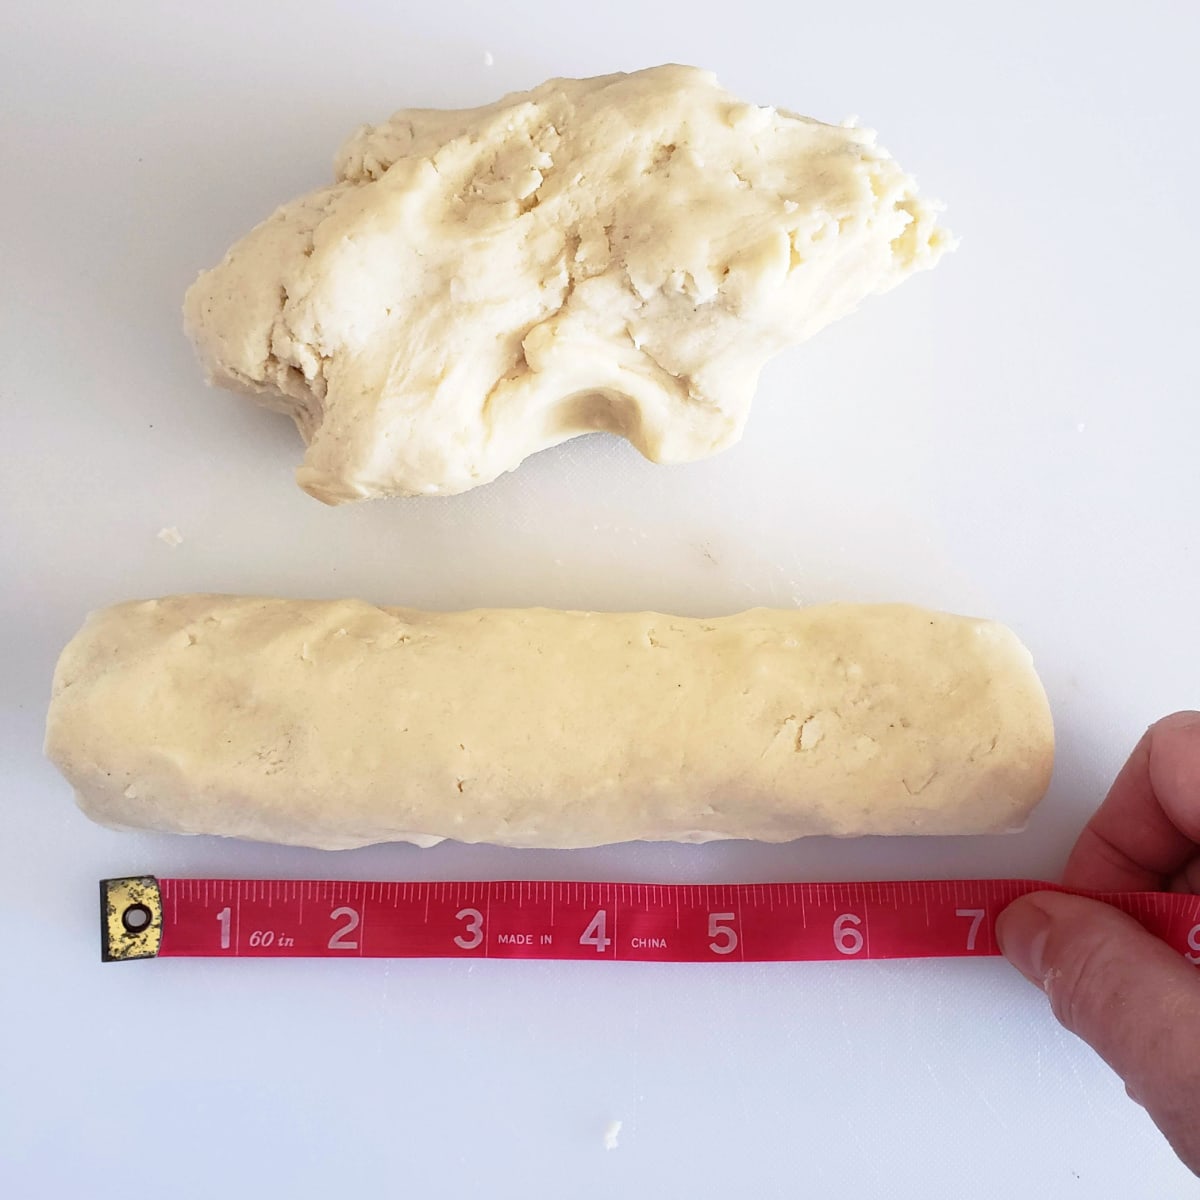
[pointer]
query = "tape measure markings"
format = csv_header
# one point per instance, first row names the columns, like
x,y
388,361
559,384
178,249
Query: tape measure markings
x,y
796,922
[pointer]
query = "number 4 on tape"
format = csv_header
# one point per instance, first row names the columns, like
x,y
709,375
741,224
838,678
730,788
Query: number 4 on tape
x,y
146,917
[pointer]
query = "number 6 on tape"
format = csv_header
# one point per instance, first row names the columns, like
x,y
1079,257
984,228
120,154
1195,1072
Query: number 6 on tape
x,y
145,917
846,935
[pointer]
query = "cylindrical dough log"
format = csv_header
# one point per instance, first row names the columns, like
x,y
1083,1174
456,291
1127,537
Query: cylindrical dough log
x,y
339,724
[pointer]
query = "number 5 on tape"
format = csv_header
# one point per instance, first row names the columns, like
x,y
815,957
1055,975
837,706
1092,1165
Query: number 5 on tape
x,y
145,917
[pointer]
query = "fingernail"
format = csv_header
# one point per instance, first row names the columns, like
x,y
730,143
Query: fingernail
x,y
1022,929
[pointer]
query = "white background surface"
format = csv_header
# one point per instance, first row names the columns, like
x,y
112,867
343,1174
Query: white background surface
x,y
1014,434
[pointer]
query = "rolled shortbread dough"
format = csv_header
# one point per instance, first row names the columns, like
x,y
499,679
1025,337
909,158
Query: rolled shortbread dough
x,y
338,724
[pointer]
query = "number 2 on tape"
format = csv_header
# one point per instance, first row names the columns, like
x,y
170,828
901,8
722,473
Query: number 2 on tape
x,y
340,938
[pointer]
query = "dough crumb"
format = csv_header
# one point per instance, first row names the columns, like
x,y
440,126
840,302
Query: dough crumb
x,y
811,732
171,536
611,1134
489,59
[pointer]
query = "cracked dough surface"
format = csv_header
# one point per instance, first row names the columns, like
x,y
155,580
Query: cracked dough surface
x,y
338,724
621,253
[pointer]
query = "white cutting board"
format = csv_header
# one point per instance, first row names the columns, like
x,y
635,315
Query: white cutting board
x,y
1014,434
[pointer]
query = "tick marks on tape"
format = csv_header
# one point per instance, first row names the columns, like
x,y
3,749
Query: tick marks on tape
x,y
785,922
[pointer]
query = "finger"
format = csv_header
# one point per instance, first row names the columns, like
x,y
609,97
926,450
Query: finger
x,y
1148,827
1186,880
1129,995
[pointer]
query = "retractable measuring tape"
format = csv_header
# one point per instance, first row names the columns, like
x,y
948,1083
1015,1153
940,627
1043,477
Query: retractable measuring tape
x,y
145,917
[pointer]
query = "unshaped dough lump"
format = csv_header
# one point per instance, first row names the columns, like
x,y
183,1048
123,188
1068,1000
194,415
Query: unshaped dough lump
x,y
620,253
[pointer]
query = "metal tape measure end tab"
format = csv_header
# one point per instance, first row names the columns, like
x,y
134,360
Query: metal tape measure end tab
x,y
130,918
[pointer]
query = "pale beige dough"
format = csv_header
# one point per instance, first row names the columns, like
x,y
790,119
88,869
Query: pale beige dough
x,y
338,724
621,253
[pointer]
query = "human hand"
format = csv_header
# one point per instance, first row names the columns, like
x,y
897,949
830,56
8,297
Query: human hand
x,y
1125,992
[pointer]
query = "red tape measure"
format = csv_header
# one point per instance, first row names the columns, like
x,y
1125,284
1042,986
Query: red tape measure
x,y
145,917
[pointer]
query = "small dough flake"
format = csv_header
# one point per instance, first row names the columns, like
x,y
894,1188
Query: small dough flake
x,y
612,1133
171,536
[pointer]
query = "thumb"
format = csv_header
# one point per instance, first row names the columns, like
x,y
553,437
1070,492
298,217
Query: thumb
x,y
1125,992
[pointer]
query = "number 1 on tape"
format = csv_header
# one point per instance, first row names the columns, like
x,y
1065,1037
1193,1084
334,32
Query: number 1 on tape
x,y
145,917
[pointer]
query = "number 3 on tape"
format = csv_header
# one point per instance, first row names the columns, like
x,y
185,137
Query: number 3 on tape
x,y
145,917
